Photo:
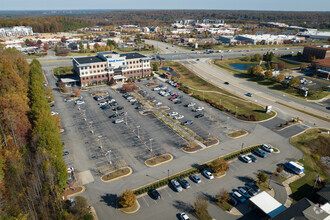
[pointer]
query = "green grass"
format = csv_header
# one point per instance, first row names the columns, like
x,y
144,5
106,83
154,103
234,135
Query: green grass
x,y
224,206
303,186
33,56
225,64
214,93
81,54
63,71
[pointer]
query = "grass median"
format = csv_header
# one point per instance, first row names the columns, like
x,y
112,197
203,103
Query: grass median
x,y
203,90
155,161
314,144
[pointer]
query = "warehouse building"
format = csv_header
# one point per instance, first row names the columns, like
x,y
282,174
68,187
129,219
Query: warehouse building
x,y
111,65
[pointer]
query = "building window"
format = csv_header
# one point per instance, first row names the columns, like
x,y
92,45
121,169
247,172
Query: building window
x,y
98,71
93,66
98,66
94,71
133,62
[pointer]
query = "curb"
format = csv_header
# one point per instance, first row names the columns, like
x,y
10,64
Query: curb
x,y
119,177
74,194
297,123
93,213
171,158
134,211
238,136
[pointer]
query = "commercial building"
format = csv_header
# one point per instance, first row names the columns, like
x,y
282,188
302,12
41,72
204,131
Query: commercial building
x,y
314,34
17,31
110,65
321,52
268,38
226,39
323,68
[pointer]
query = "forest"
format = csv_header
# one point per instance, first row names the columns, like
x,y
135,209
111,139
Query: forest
x,y
32,171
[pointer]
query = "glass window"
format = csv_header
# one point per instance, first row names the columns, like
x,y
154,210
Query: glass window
x,y
98,66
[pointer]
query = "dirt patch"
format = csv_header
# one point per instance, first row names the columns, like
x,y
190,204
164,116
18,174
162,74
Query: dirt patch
x,y
237,134
99,93
152,84
193,149
155,161
211,142
117,174
71,191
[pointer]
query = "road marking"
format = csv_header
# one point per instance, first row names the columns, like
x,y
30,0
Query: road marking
x,y
305,125
145,201
167,192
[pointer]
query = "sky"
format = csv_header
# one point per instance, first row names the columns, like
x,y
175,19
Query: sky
x,y
274,5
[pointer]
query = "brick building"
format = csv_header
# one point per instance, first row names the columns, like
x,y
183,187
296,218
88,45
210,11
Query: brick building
x,y
323,68
106,65
317,52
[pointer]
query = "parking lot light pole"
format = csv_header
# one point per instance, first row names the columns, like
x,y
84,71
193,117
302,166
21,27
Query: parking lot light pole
x,y
108,158
150,144
138,131
242,148
270,178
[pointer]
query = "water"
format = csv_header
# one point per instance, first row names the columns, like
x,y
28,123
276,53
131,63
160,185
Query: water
x,y
241,66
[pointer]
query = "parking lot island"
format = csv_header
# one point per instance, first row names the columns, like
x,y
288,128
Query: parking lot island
x,y
237,134
131,210
158,160
117,174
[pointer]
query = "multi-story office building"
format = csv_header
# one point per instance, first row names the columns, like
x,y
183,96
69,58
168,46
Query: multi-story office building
x,y
317,52
107,65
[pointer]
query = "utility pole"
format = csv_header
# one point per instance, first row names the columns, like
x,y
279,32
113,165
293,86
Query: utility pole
x,y
242,148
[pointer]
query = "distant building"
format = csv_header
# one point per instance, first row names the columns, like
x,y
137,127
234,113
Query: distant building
x,y
110,65
321,35
323,70
226,39
317,52
268,38
17,31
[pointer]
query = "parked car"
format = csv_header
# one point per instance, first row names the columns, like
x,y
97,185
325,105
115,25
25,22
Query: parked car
x,y
111,100
226,83
70,169
199,115
102,103
113,116
184,183
176,185
188,122
253,186
195,178
122,113
53,113
155,194
184,216
173,114
232,201
267,148
253,158
132,100
208,174
172,98
80,102
260,153
119,120
104,107
245,159
199,108
191,104
158,103
249,94
120,107
177,117
250,190
68,100
178,102
243,192
65,153
239,197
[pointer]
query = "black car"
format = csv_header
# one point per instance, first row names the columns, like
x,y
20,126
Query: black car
x,y
253,186
113,116
232,201
155,194
260,153
184,183
51,105
251,191
188,122
253,158
199,115
114,104
120,107
122,113
178,102
226,83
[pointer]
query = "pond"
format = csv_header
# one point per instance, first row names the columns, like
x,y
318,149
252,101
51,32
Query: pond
x,y
170,70
241,66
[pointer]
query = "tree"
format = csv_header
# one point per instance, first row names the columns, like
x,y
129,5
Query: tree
x,y
88,48
262,177
201,205
303,66
271,56
80,209
127,199
223,196
56,49
81,47
76,92
57,120
61,85
281,65
294,81
154,67
258,70
268,74
219,165
280,78
46,48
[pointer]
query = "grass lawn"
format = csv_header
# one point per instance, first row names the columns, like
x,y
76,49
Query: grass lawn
x,y
214,93
237,134
81,54
116,174
34,56
303,186
158,160
225,64
63,71
224,205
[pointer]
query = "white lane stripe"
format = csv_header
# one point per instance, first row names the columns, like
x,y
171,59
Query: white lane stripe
x,y
145,201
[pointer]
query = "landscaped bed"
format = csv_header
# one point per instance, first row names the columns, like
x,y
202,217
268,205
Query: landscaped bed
x,y
237,134
63,71
72,191
122,172
205,91
155,161
132,209
314,143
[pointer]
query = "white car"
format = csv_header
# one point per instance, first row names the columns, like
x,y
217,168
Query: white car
x,y
102,103
111,101
132,100
156,88
70,169
69,100
184,216
208,174
166,94
119,120
191,104
173,114
265,147
158,103
80,102
177,117
246,159
129,97
199,108
54,113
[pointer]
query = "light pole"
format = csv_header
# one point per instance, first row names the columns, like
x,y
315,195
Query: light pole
x,y
242,148
108,158
150,140
138,131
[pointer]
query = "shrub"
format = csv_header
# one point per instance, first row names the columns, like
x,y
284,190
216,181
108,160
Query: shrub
x,y
279,169
127,199
262,177
315,156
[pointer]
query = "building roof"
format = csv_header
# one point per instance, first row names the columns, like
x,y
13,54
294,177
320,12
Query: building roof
x,y
319,48
267,204
85,60
132,55
325,191
323,62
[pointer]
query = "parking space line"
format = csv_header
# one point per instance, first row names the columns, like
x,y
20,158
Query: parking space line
x,y
145,201
168,193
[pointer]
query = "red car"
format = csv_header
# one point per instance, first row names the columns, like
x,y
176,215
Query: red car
x,y
172,98
178,86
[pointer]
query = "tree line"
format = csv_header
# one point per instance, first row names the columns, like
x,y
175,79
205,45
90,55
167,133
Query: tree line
x,y
32,171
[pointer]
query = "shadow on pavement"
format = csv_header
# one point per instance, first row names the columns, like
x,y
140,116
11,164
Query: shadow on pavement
x,y
110,200
183,207
245,179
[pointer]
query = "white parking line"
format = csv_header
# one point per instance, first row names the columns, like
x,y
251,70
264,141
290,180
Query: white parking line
x,y
168,193
145,201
